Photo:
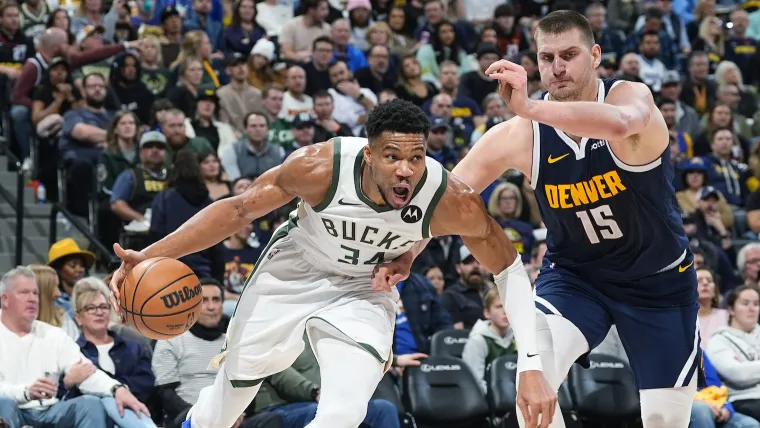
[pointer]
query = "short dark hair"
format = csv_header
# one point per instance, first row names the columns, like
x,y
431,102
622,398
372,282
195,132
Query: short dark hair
x,y
322,94
649,33
563,21
338,61
397,116
653,13
254,113
322,39
269,87
664,101
721,128
733,296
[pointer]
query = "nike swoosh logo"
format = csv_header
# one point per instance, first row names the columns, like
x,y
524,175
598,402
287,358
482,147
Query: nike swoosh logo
x,y
552,160
340,202
531,355
683,268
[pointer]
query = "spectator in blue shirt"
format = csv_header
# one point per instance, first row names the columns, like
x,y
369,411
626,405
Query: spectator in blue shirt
x,y
344,50
199,18
420,315
83,138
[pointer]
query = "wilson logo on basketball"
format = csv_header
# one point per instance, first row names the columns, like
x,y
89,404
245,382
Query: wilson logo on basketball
x,y
176,297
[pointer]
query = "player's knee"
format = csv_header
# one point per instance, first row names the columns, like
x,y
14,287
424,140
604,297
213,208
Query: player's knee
x,y
345,415
667,407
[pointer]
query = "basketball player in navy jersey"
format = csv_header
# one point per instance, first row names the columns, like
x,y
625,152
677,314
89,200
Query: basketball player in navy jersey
x,y
596,154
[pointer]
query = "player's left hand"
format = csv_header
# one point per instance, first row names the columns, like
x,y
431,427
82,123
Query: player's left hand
x,y
513,85
125,400
536,399
385,276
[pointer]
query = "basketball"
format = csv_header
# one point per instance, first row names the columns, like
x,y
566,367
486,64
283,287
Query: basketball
x,y
160,298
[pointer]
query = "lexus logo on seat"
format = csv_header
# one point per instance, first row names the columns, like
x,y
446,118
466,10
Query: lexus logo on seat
x,y
411,214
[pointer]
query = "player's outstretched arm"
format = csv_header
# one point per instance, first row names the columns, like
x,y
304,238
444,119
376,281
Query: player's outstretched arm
x,y
508,145
305,173
461,212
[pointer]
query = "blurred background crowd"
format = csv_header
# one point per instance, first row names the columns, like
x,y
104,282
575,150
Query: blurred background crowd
x,y
134,115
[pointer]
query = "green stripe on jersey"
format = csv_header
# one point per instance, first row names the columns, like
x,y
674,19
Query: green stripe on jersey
x,y
434,202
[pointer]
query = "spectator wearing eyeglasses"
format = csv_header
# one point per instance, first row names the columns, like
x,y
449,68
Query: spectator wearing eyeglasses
x,y
122,359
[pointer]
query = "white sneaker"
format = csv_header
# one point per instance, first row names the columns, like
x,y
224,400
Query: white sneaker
x,y
26,165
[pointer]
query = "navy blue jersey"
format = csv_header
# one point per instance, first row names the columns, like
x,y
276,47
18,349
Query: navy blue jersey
x,y
610,223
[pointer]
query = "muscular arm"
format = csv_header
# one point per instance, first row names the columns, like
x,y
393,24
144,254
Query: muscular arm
x,y
628,119
461,212
506,145
305,174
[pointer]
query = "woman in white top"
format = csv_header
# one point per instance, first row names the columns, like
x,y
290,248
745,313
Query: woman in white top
x,y
711,317
735,351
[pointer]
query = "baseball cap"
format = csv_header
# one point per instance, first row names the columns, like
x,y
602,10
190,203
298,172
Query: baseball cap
x,y
152,137
207,93
88,31
695,163
302,120
58,60
671,77
485,49
169,11
465,254
235,58
437,122
707,191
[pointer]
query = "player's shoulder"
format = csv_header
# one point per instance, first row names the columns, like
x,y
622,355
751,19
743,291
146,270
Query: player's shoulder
x,y
621,89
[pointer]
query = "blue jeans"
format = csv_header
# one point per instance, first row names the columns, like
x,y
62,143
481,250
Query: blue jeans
x,y
22,128
702,417
129,420
380,414
81,412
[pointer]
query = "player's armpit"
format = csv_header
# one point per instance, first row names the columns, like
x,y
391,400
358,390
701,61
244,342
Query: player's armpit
x,y
505,146
461,212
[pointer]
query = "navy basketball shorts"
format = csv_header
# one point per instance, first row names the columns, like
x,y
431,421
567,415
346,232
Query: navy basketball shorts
x,y
662,344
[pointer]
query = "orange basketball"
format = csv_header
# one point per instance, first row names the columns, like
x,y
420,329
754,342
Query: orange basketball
x,y
160,298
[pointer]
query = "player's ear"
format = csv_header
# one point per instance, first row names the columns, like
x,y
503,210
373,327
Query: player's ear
x,y
368,153
596,55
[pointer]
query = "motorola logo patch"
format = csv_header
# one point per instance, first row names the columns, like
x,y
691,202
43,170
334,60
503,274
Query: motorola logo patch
x,y
411,214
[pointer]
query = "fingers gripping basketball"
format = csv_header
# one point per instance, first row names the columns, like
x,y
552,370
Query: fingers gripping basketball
x,y
160,298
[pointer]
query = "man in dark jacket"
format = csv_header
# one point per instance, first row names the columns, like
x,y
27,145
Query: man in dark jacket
x,y
464,300
132,93
420,315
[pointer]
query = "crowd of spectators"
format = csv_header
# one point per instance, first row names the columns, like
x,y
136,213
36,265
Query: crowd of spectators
x,y
150,110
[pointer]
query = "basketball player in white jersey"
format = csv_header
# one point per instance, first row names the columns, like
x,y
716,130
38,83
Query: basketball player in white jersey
x,y
596,154
362,202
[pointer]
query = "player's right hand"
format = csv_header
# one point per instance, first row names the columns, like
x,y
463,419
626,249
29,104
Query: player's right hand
x,y
536,399
129,259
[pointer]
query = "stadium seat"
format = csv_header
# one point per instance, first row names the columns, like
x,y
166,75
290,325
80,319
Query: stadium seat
x,y
606,392
388,389
449,343
502,395
443,392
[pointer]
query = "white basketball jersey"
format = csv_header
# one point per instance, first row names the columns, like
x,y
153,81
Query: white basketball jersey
x,y
347,233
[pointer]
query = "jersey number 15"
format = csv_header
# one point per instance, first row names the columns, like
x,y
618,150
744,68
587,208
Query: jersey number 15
x,y
599,222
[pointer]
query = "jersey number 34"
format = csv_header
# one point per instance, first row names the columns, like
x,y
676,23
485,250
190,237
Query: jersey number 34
x,y
598,222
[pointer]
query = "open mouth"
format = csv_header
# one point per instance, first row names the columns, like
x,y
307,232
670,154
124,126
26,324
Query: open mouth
x,y
401,194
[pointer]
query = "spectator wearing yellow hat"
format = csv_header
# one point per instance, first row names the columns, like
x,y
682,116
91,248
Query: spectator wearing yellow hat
x,y
71,263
